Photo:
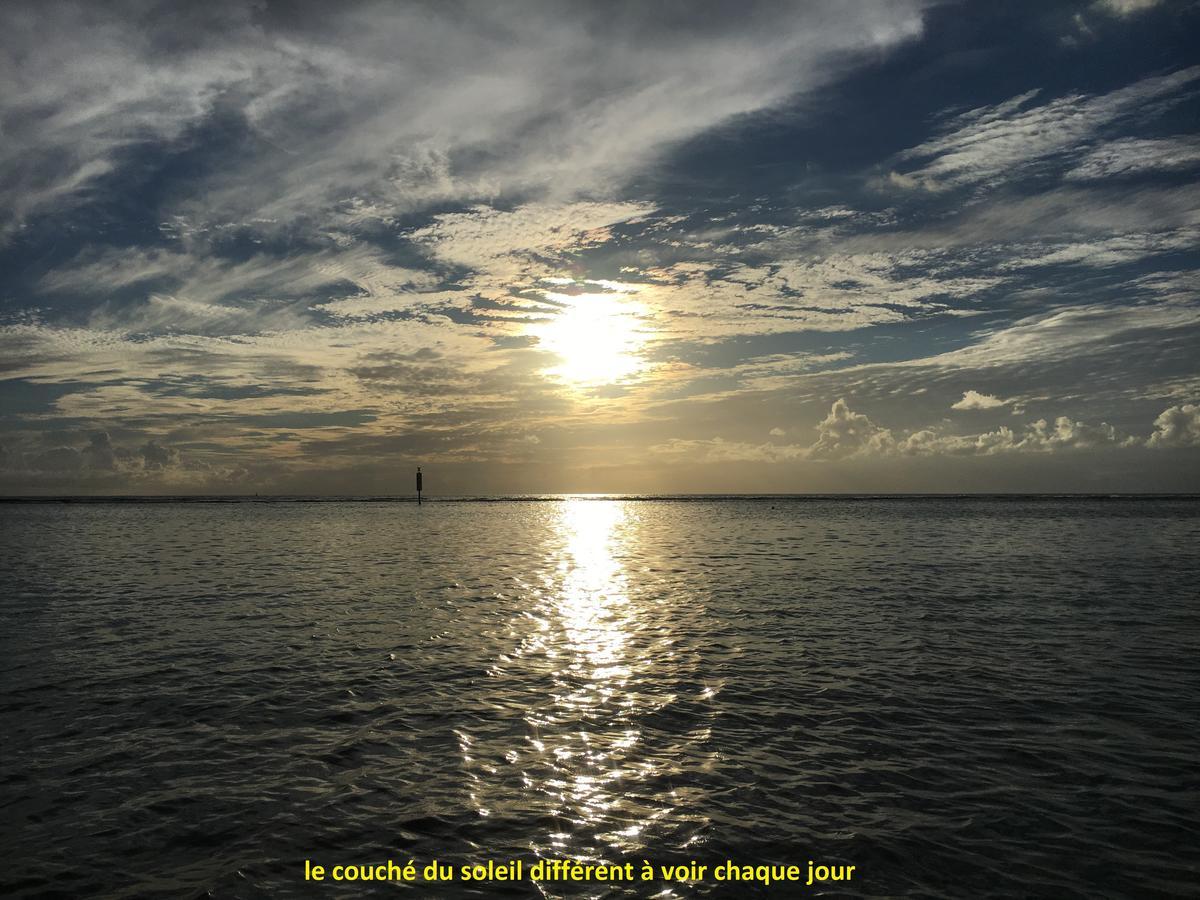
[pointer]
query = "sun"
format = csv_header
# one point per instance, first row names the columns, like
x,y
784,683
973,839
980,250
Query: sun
x,y
597,338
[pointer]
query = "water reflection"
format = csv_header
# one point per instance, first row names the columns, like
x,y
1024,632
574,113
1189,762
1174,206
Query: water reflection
x,y
589,728
593,603
594,652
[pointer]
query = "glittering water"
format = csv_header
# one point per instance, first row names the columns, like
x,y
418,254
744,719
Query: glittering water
x,y
959,697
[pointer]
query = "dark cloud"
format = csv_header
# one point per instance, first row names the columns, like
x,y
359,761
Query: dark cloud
x,y
155,455
99,453
59,460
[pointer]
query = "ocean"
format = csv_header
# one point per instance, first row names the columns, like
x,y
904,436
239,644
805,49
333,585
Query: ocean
x,y
957,697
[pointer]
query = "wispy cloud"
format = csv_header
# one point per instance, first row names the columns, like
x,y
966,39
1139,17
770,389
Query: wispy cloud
x,y
1137,156
1011,139
392,107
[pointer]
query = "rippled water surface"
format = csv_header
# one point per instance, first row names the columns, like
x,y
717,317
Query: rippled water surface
x,y
962,698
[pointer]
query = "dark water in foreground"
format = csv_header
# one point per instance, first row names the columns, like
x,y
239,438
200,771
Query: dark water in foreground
x,y
961,698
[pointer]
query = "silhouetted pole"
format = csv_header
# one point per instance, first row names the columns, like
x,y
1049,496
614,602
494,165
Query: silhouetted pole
x,y
418,485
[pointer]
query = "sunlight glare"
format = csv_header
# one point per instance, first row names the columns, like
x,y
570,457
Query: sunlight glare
x,y
596,338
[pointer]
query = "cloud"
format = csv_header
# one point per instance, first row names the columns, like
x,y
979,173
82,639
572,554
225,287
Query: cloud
x,y
1040,436
155,455
307,124
976,400
904,182
1136,156
1063,215
193,275
1068,332
846,433
1177,426
99,459
99,453
502,242
700,301
1067,433
826,292
1006,140
1125,8
1113,251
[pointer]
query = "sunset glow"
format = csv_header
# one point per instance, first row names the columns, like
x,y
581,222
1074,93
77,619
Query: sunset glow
x,y
596,337
621,247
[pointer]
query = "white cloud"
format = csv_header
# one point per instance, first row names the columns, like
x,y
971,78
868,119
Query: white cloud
x,y
697,302
1066,433
1177,426
904,182
976,400
1112,251
913,278
1063,333
1135,156
1037,437
501,243
1125,8
832,292
396,107
846,433
992,143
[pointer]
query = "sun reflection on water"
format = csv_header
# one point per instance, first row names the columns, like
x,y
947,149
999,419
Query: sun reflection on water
x,y
593,600
594,655
590,717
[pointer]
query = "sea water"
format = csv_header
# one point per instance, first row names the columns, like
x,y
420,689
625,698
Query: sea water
x,y
955,697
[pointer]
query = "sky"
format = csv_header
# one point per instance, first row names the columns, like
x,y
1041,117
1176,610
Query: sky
x,y
843,246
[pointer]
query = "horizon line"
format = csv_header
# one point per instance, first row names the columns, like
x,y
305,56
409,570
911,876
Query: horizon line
x,y
582,495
